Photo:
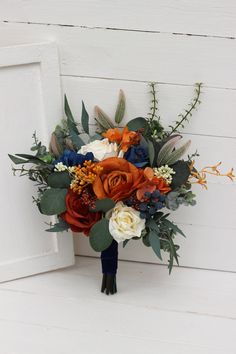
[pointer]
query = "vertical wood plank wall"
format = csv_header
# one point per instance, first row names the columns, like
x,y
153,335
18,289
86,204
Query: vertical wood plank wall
x,y
107,45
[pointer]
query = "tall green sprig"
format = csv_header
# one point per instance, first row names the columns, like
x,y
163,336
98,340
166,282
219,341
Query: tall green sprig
x,y
154,103
184,117
155,129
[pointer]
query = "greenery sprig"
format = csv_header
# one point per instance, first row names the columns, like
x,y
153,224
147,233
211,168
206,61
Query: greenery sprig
x,y
155,130
184,117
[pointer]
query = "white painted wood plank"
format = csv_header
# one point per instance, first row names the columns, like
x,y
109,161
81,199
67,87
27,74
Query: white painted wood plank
x,y
146,280
134,56
205,247
215,116
57,317
211,17
30,338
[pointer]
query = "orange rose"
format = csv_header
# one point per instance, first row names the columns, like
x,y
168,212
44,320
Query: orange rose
x,y
118,179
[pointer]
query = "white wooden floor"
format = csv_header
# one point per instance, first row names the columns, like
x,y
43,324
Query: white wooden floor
x,y
63,312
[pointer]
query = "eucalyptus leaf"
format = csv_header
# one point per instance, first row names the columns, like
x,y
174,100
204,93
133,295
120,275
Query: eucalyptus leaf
x,y
59,180
99,236
137,123
103,205
53,201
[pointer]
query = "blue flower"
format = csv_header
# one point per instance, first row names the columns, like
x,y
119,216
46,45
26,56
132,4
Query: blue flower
x,y
137,155
71,158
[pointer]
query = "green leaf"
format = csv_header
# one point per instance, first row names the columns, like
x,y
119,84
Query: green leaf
x,y
172,226
155,243
151,152
59,180
125,242
32,159
17,160
59,227
102,119
137,123
166,150
182,172
146,241
68,112
74,133
53,201
153,225
85,119
178,153
120,110
103,205
99,236
76,140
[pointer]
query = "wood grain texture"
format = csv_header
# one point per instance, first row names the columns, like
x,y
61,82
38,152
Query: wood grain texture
x,y
204,17
215,116
192,311
134,56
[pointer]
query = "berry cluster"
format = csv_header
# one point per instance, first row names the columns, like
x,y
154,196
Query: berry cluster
x,y
153,202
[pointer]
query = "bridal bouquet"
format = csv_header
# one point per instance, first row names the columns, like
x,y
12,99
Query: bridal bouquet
x,y
116,184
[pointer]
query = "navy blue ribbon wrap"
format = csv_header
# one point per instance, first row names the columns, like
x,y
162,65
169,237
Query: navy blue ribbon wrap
x,y
109,260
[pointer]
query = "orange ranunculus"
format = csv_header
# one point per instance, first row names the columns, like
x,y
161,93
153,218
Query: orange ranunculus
x,y
129,138
118,179
113,135
152,184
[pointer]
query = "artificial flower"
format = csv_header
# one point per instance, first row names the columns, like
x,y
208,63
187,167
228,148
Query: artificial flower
x,y
113,135
164,172
125,223
137,155
84,176
72,158
152,183
129,138
118,179
78,215
101,149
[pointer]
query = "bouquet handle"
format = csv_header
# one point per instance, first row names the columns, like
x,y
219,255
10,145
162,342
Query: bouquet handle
x,y
109,261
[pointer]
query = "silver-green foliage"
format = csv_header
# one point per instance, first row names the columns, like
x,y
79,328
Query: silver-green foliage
x,y
169,153
180,196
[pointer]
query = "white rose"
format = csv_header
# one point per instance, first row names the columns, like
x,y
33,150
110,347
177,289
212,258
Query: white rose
x,y
101,149
125,223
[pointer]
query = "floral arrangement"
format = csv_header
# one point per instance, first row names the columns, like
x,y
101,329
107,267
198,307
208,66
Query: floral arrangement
x,y
119,183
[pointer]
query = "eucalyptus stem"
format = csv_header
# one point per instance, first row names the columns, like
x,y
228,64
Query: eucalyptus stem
x,y
188,112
